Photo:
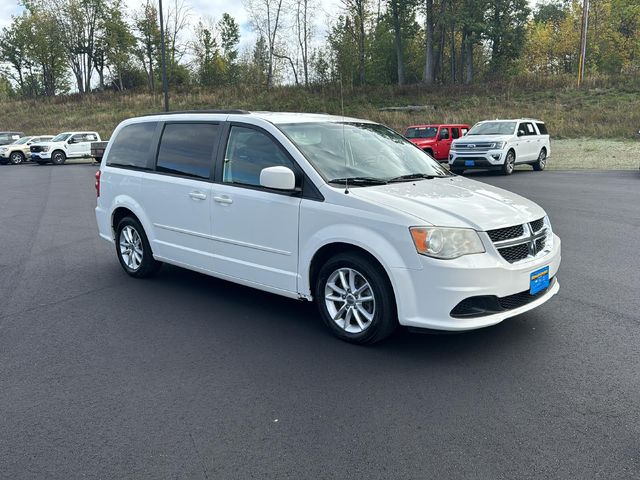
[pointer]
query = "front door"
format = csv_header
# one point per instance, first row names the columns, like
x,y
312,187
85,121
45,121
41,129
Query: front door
x,y
177,196
443,144
75,145
255,230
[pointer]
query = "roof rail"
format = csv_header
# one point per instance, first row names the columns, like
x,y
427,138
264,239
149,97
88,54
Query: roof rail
x,y
177,112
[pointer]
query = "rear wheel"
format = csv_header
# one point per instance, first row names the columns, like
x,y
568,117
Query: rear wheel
x,y
58,157
355,299
509,163
16,158
541,163
133,249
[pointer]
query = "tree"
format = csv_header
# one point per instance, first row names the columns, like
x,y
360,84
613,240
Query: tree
x,y
148,40
209,64
266,17
118,42
505,22
358,13
303,33
229,40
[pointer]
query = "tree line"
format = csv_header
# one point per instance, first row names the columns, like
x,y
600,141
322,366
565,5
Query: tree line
x,y
58,46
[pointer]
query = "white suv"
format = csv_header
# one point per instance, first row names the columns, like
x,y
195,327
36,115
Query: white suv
x,y
63,146
501,145
341,211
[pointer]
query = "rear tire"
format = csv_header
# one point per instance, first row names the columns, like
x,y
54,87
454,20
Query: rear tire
x,y
16,158
133,249
509,163
541,163
355,299
58,157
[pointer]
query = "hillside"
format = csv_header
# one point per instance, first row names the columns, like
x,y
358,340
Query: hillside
x,y
604,109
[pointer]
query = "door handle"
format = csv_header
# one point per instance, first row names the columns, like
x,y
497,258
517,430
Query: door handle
x,y
223,199
198,195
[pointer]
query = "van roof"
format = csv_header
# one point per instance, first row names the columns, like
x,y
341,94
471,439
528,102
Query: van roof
x,y
272,117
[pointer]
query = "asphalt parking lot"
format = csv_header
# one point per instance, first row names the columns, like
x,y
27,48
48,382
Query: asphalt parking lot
x,y
185,376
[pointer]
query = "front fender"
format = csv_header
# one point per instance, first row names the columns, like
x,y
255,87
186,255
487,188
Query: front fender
x,y
388,254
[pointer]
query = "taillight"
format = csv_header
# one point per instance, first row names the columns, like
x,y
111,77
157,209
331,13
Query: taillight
x,y
98,183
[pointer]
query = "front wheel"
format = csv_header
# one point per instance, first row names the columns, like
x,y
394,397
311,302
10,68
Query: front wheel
x,y
355,299
58,157
16,158
509,163
133,249
541,163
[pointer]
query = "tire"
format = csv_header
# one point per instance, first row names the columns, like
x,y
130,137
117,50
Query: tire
x,y
16,158
133,249
541,163
58,157
361,322
509,163
456,171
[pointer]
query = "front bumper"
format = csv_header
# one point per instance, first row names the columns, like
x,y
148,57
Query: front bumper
x,y
426,297
489,159
35,156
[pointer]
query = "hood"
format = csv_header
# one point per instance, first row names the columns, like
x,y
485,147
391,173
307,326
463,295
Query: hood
x,y
454,202
483,138
422,141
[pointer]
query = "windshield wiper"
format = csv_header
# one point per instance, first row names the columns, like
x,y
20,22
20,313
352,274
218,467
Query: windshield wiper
x,y
413,176
359,181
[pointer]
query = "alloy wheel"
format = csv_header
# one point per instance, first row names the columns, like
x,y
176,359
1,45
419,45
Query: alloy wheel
x,y
131,247
350,300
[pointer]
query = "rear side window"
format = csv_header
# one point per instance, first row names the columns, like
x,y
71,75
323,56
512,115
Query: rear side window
x,y
90,137
132,146
455,132
187,149
542,128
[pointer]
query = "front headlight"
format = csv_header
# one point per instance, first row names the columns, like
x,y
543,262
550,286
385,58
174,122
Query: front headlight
x,y
446,243
499,145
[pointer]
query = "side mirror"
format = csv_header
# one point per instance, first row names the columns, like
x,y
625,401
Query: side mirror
x,y
521,133
278,178
70,141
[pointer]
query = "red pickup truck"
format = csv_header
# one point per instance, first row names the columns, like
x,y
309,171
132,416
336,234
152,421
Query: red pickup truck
x,y
435,139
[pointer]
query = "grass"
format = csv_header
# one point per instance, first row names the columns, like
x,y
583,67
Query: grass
x,y
605,108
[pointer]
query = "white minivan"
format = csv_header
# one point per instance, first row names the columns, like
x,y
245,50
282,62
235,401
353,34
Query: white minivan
x,y
341,211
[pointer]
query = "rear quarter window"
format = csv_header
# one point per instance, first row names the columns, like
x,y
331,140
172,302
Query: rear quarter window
x,y
542,128
133,147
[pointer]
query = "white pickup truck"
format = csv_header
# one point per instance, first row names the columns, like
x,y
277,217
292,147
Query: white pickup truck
x,y
63,146
501,145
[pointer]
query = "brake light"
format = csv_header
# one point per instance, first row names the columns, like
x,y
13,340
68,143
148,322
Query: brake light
x,y
98,183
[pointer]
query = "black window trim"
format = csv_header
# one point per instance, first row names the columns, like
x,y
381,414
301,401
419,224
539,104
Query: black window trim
x,y
305,188
158,138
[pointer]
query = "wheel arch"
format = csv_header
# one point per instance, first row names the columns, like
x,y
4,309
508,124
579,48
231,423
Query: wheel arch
x,y
126,206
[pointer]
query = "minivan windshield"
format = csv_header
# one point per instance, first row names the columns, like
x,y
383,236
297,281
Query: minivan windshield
x,y
493,128
367,153
61,138
421,132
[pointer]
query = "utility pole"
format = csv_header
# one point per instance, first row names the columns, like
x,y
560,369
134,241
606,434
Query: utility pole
x,y
165,87
583,41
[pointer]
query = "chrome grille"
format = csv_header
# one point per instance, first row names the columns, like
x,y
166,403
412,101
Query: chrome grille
x,y
520,242
471,147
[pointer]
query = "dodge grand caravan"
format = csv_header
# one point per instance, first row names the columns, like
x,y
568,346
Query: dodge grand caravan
x,y
341,211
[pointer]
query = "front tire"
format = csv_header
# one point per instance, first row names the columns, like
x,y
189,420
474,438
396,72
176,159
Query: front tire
x,y
355,299
541,163
58,157
509,163
133,249
16,158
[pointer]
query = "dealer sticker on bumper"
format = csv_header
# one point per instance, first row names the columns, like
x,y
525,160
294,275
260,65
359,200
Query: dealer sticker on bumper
x,y
539,280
